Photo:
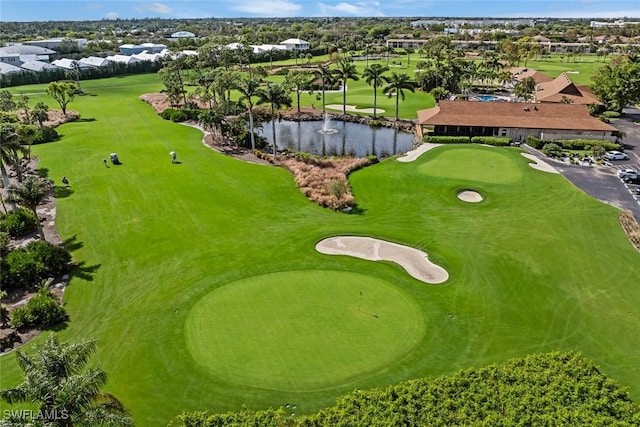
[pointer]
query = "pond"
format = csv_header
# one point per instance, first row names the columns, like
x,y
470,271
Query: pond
x,y
338,138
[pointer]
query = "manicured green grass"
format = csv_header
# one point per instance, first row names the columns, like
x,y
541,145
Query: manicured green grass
x,y
537,266
579,70
303,330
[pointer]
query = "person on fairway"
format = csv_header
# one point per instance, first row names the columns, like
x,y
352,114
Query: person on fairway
x,y
174,157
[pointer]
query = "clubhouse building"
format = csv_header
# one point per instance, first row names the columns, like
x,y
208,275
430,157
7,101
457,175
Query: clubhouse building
x,y
515,120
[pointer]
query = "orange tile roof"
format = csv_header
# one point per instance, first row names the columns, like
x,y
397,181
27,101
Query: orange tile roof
x,y
521,73
523,115
563,87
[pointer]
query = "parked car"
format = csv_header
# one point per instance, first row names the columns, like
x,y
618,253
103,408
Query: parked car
x,y
632,179
615,155
626,172
637,190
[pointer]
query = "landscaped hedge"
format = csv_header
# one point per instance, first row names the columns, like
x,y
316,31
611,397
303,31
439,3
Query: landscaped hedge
x,y
491,140
542,389
180,115
573,144
27,267
18,224
447,139
42,311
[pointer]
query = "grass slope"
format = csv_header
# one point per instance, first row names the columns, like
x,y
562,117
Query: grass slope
x,y
537,266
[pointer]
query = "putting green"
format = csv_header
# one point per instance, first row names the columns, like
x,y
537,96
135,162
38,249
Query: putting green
x,y
303,330
492,165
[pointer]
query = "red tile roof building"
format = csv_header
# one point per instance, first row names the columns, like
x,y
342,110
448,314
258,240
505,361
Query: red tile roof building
x,y
516,120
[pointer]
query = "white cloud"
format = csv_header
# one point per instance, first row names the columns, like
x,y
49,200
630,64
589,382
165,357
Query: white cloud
x,y
371,8
268,8
111,15
154,7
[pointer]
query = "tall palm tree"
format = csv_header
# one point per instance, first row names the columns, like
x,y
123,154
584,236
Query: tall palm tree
x,y
397,84
373,76
346,71
328,77
249,87
30,194
65,390
278,97
9,149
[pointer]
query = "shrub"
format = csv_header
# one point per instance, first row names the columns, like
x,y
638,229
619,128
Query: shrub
x,y
338,188
18,224
375,123
4,244
611,114
447,139
491,140
27,267
534,142
42,311
45,134
551,150
55,259
180,115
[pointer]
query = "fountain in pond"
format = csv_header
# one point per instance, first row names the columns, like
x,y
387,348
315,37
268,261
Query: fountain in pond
x,y
326,129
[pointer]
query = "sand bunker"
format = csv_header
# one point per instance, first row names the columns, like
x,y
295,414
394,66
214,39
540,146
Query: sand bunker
x,y
415,262
354,109
412,155
470,196
539,164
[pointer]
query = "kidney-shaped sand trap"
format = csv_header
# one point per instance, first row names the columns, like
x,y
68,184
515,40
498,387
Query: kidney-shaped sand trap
x,y
470,196
415,262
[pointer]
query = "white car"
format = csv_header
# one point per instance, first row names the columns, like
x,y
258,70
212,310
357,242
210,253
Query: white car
x,y
615,155
626,172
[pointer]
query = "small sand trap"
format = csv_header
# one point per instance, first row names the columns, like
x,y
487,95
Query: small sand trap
x,y
470,196
539,164
354,109
412,155
415,262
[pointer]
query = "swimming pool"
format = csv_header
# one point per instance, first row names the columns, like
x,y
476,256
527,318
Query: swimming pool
x,y
486,98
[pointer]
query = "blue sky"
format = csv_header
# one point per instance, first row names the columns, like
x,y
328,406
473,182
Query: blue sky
x,y
52,10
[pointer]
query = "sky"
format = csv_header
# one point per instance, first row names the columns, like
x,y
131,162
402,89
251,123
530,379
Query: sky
x,y
80,10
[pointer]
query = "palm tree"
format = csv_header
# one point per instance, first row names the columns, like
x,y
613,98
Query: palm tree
x,y
278,97
30,194
373,76
409,51
346,70
248,88
9,149
67,392
328,77
396,84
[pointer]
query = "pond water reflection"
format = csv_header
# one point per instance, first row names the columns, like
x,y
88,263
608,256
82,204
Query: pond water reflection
x,y
338,138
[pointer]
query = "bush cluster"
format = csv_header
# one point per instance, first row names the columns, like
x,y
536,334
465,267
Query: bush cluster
x,y
181,115
492,140
45,134
630,227
540,389
27,267
42,311
573,144
18,224
447,139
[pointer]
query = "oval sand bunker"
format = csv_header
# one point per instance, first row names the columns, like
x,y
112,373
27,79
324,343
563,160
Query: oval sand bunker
x,y
470,196
415,262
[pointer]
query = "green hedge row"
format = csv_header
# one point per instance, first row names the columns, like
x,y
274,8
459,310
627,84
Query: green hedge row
x,y
488,140
573,144
180,115
492,140
537,390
